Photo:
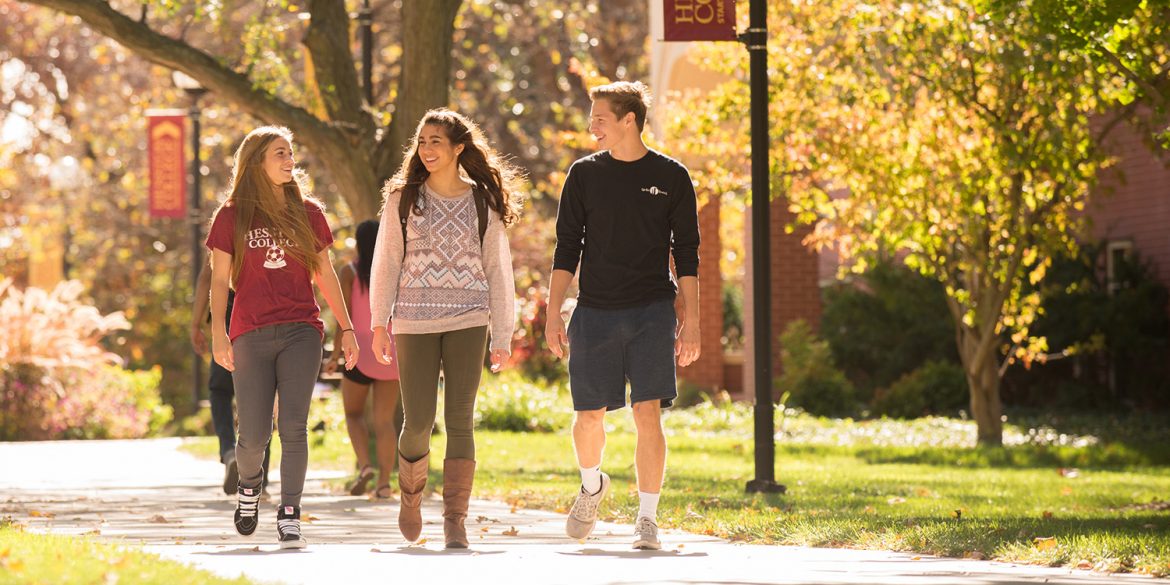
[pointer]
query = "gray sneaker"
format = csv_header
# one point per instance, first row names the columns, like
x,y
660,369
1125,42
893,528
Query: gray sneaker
x,y
646,535
583,516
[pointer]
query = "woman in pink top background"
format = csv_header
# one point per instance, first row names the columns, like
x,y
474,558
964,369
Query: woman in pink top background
x,y
356,382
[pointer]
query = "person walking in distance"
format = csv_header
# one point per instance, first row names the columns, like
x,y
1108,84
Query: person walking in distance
x,y
444,270
624,211
368,374
269,241
221,391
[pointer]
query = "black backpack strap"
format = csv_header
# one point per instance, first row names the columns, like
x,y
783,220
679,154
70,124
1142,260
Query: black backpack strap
x,y
481,212
403,217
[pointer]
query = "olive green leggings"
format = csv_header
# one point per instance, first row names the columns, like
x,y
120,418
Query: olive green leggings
x,y
460,354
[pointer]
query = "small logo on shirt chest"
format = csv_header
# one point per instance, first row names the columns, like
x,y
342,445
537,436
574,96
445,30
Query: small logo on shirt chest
x,y
653,190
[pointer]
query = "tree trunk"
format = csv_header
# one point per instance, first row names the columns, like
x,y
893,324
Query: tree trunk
x,y
427,29
983,377
986,407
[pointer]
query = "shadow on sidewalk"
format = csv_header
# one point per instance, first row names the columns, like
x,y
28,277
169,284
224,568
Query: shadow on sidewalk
x,y
631,554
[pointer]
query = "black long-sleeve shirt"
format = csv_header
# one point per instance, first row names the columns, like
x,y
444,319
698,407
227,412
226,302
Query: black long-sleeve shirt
x,y
621,221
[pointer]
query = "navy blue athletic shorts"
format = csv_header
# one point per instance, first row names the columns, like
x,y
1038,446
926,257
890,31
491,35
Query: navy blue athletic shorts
x,y
610,347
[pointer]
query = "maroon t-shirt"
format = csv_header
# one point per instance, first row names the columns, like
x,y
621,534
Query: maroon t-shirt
x,y
273,287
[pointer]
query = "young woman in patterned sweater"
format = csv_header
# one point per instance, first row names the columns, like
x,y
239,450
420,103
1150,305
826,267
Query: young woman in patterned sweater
x,y
447,285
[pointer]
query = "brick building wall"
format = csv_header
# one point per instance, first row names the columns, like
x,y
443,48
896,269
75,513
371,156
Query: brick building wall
x,y
1131,204
796,294
707,371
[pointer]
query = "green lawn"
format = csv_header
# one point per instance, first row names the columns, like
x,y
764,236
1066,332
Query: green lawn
x,y
1062,498
30,558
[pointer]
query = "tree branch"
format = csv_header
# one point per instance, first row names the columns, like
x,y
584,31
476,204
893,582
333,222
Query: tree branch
x,y
168,52
1151,91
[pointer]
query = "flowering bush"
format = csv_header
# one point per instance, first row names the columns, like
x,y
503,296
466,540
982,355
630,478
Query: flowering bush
x,y
57,382
530,356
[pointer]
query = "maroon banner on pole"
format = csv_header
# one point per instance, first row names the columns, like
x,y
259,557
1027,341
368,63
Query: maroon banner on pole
x,y
699,20
168,164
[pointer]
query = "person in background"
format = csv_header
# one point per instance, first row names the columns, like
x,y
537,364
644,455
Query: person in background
x,y
221,392
368,374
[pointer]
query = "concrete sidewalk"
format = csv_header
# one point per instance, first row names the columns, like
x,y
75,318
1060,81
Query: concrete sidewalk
x,y
149,493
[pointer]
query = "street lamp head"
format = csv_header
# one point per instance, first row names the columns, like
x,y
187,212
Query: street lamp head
x,y
188,84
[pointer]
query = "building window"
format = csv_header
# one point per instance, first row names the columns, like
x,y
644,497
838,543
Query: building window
x,y
1117,255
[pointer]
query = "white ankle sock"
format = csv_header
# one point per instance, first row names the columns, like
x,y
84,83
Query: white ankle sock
x,y
591,478
648,505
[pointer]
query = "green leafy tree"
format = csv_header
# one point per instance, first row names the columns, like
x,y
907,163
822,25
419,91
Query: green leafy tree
x,y
1129,38
951,137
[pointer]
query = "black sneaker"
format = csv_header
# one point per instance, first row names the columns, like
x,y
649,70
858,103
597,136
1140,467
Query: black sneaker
x,y
247,502
231,474
288,527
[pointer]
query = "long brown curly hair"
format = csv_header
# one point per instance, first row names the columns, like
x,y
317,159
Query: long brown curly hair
x,y
495,178
252,194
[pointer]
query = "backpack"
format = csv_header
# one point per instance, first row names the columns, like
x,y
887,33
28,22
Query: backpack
x,y
481,212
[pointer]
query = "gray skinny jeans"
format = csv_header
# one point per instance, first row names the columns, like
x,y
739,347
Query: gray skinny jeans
x,y
284,358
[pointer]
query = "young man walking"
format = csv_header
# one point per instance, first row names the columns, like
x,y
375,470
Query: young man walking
x,y
624,211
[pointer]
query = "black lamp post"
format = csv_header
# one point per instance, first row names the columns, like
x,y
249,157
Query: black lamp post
x,y
757,45
195,214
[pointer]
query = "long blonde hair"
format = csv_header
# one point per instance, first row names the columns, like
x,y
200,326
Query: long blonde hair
x,y
252,194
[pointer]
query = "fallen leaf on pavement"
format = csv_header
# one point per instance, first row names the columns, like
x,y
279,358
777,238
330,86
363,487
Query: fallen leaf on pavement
x,y
511,532
1085,565
916,558
40,514
158,519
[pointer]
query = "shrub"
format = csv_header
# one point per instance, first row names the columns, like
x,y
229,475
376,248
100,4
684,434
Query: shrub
x,y
732,315
508,402
1116,336
938,388
810,377
886,326
56,381
74,403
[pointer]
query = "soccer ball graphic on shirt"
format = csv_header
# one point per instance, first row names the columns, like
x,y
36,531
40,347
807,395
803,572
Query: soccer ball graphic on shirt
x,y
274,258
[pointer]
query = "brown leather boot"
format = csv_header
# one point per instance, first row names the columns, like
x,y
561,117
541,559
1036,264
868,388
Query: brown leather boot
x,y
457,478
412,479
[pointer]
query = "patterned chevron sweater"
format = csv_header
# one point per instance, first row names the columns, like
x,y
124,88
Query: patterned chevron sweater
x,y
447,280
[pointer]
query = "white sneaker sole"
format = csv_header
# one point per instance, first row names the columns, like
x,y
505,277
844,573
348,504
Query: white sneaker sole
x,y
647,545
294,544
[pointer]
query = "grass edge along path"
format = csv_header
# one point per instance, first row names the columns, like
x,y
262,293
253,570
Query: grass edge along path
x,y
1083,492
33,557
